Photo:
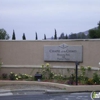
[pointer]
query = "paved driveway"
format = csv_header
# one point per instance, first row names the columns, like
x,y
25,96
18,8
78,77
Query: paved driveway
x,y
29,95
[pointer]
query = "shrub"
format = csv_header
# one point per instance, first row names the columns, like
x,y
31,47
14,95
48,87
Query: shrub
x,y
25,77
82,78
46,72
12,76
89,68
96,78
57,77
90,81
4,76
71,79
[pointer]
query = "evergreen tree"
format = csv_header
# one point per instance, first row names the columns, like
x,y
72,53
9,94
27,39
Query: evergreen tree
x,y
13,35
66,37
36,38
24,37
44,37
55,35
62,36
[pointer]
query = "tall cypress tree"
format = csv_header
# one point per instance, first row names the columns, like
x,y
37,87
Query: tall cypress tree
x,y
36,38
55,35
13,35
44,37
24,37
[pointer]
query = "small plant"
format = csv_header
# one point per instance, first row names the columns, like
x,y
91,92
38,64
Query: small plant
x,y
19,76
65,77
4,76
90,81
83,70
58,77
71,79
89,68
82,77
96,78
68,70
1,63
31,71
46,72
26,77
12,76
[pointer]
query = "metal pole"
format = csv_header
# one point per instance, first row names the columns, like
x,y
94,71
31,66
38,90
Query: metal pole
x,y
76,73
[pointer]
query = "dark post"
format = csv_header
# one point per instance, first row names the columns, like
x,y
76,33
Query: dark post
x,y
77,63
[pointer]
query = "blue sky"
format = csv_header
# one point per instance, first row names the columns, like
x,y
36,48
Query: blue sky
x,y
43,16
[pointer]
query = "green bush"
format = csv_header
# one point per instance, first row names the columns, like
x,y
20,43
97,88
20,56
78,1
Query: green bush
x,y
4,76
46,72
90,81
12,76
96,78
89,68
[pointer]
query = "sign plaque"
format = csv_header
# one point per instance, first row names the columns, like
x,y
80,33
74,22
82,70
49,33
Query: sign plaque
x,y
63,52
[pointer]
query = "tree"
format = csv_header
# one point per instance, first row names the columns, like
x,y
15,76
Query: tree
x,y
55,35
62,36
44,37
24,37
36,36
3,34
66,37
99,25
81,35
95,33
73,36
13,35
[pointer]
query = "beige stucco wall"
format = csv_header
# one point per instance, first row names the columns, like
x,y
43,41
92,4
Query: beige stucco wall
x,y
31,52
33,70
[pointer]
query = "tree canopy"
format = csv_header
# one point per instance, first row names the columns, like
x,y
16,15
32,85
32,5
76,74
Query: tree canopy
x,y
95,33
3,34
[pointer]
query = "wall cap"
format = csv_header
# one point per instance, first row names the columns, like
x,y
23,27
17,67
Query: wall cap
x,y
39,66
49,40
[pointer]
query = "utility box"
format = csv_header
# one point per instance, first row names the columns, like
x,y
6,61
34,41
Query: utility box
x,y
38,76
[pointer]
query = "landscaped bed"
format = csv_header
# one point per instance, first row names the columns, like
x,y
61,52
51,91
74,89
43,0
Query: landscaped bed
x,y
49,76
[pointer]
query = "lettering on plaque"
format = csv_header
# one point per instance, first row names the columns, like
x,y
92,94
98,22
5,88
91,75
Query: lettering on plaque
x,y
63,52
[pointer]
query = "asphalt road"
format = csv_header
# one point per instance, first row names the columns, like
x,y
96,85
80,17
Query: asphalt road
x,y
43,96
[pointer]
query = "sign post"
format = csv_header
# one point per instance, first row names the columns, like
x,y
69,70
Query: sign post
x,y
76,63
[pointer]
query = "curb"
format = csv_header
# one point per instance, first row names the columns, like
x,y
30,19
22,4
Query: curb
x,y
62,91
64,88
43,91
20,90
